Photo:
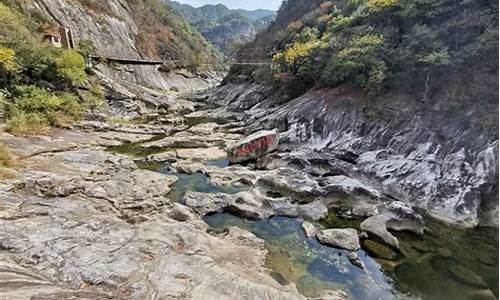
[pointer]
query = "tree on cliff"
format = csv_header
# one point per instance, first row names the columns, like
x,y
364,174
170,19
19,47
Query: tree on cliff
x,y
378,44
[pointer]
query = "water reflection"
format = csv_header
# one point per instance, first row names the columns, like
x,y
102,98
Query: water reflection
x,y
446,264
312,266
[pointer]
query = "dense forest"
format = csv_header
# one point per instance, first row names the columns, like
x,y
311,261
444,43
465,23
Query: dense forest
x,y
378,44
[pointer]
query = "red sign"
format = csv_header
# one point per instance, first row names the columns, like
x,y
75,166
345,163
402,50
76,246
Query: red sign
x,y
258,145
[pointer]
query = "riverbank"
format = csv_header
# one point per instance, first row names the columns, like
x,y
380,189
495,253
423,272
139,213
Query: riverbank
x,y
79,220
154,210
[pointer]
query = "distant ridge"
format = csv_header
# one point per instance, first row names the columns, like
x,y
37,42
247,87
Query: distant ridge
x,y
223,27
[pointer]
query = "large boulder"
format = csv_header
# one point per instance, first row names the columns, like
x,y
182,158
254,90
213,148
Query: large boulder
x,y
254,146
346,238
394,216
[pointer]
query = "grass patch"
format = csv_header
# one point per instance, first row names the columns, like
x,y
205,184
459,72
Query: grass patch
x,y
7,160
21,123
142,119
7,174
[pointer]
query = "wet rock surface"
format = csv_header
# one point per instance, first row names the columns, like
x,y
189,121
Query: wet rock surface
x,y
466,276
378,250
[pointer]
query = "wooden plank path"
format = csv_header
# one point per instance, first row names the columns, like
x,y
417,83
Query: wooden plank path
x,y
132,61
139,61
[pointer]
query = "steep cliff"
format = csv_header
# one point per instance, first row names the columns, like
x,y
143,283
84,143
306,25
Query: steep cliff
x,y
429,140
131,30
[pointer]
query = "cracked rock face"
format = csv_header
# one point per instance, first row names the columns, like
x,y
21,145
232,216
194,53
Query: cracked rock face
x,y
430,158
84,223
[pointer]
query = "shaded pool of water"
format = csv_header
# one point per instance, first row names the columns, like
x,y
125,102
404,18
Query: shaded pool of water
x,y
422,273
197,182
449,263
311,266
136,149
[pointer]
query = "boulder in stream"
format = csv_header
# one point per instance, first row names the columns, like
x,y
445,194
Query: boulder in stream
x,y
396,216
309,229
346,238
253,146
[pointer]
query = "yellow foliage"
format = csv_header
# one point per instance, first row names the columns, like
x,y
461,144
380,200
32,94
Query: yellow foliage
x,y
377,5
298,50
7,59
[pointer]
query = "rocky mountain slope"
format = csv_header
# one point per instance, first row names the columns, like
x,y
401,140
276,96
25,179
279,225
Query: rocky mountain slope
x,y
255,14
131,30
225,28
428,135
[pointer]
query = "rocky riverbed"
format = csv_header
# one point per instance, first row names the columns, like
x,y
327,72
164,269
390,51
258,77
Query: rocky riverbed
x,y
155,211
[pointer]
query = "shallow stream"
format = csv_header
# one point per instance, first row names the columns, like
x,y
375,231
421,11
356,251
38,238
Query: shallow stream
x,y
447,263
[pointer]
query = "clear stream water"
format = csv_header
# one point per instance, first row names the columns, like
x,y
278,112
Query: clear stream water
x,y
447,263
422,273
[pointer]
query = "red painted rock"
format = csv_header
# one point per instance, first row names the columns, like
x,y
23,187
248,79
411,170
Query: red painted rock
x,y
253,146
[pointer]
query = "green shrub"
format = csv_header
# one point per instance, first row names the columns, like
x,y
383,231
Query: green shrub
x,y
21,123
31,109
359,61
32,99
71,65
93,99
86,47
38,64
375,44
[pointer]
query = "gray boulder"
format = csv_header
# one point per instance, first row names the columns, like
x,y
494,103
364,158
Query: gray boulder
x,y
309,229
396,216
254,146
340,238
